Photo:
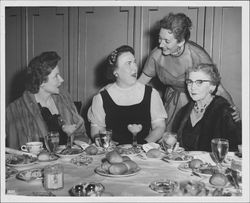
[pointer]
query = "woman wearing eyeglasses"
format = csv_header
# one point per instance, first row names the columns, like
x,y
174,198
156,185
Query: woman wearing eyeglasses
x,y
170,60
207,115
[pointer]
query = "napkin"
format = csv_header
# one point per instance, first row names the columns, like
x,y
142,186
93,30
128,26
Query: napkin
x,y
204,156
150,145
82,144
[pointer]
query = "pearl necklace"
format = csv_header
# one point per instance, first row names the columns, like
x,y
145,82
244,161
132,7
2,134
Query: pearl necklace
x,y
200,109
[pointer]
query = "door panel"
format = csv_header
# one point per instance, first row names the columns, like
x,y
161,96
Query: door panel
x,y
48,31
101,30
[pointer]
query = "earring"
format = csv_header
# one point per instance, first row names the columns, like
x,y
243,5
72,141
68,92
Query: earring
x,y
116,75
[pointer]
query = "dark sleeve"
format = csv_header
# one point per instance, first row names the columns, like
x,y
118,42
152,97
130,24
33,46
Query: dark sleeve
x,y
231,130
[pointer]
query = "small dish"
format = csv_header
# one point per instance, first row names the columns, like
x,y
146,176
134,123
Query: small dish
x,y
102,172
87,189
177,158
164,186
81,160
203,171
30,174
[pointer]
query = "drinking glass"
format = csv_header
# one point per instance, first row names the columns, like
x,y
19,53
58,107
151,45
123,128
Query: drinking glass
x,y
168,141
134,129
52,141
105,138
220,148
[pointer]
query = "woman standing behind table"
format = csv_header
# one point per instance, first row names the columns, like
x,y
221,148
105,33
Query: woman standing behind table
x,y
127,102
43,107
207,116
171,59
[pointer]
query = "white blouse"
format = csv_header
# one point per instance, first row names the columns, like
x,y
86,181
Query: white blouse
x,y
126,97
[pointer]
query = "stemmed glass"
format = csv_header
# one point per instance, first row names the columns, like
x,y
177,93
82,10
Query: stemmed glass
x,y
220,148
135,129
168,141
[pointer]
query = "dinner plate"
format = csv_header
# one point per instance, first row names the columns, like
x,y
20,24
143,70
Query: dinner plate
x,y
102,172
76,152
14,160
185,167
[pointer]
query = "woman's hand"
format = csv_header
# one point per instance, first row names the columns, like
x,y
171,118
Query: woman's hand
x,y
235,113
69,129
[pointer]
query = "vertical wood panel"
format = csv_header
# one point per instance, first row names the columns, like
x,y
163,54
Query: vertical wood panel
x,y
101,30
15,53
48,31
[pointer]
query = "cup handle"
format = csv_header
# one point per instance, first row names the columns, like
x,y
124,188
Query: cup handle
x,y
24,148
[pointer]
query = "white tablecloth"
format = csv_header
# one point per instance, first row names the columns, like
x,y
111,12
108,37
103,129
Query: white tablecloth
x,y
137,185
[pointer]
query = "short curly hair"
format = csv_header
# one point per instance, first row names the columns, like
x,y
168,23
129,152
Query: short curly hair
x,y
113,58
210,69
179,24
39,68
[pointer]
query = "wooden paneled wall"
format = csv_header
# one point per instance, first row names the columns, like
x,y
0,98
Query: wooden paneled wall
x,y
84,36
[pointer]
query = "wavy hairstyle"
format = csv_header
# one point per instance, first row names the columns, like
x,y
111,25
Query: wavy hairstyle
x,y
210,69
179,24
39,68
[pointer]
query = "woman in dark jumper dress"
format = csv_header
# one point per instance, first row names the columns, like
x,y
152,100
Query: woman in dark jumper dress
x,y
126,102
207,115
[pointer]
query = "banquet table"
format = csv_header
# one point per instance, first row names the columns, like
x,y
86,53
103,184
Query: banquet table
x,y
152,169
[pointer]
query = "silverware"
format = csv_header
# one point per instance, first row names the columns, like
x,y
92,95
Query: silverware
x,y
196,174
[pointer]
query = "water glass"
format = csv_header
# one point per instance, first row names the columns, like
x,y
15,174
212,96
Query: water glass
x,y
220,149
52,141
104,139
168,141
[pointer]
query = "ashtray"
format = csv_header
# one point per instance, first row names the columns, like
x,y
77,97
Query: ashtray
x,y
164,186
87,189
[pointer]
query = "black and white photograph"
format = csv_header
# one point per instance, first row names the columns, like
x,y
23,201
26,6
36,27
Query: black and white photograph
x,y
124,101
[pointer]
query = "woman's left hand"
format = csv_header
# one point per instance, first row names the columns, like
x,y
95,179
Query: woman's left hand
x,y
69,129
235,113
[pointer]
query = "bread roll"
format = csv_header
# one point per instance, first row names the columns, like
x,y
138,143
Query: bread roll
x,y
218,179
195,163
43,156
114,157
131,165
105,165
125,158
153,153
118,169
91,150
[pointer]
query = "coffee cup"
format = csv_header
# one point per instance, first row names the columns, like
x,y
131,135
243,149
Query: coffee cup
x,y
32,147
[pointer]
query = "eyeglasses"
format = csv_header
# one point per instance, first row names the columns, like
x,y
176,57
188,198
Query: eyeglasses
x,y
197,82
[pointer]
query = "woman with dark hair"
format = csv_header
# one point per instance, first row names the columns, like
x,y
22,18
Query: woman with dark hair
x,y
126,102
43,107
207,115
172,58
